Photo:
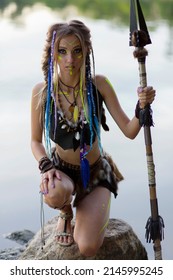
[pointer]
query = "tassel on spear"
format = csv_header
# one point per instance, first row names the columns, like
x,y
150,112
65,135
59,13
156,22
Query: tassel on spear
x,y
139,37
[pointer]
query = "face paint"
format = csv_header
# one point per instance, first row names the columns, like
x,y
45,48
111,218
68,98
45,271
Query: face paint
x,y
79,56
59,57
72,42
71,70
69,54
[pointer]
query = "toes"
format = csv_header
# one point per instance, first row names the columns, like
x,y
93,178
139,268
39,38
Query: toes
x,y
64,239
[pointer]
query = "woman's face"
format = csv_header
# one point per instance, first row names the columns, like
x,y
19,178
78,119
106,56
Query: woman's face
x,y
69,55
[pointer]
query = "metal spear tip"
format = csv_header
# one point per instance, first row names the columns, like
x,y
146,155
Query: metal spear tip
x,y
139,35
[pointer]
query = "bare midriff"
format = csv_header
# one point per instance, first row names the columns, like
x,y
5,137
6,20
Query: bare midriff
x,y
74,157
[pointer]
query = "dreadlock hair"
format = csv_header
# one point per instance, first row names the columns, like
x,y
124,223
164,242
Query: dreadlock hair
x,y
50,71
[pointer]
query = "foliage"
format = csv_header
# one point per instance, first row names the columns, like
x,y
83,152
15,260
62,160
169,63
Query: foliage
x,y
104,9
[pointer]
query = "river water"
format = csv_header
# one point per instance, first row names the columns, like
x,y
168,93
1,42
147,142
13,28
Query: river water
x,y
21,44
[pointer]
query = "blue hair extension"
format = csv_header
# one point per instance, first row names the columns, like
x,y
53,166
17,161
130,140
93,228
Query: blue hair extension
x,y
96,121
85,172
90,109
97,126
84,163
50,95
84,166
92,105
47,117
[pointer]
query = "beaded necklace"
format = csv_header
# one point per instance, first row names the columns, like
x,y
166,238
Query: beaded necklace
x,y
73,108
87,115
70,121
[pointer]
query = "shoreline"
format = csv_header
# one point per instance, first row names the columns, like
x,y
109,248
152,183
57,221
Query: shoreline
x,y
20,237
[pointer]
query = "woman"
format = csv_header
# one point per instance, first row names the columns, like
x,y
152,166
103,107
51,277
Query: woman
x,y
67,109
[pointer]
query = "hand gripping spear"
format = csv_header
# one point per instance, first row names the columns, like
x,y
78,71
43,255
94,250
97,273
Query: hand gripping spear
x,y
139,37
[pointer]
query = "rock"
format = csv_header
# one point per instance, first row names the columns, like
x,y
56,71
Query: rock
x,y
11,253
120,243
21,237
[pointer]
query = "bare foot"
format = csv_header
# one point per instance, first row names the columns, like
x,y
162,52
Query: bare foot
x,y
64,234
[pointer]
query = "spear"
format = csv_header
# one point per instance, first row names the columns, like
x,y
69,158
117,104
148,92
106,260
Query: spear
x,y
139,37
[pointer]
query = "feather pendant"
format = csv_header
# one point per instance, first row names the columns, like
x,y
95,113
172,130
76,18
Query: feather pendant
x,y
75,113
85,172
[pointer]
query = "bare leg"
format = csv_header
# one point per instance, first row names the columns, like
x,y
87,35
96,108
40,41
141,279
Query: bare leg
x,y
92,216
60,198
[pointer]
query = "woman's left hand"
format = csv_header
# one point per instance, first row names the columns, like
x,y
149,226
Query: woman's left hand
x,y
48,180
146,95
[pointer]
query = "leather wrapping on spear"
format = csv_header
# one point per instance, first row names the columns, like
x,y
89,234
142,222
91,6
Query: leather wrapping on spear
x,y
155,224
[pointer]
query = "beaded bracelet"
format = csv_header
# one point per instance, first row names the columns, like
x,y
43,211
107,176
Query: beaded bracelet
x,y
45,164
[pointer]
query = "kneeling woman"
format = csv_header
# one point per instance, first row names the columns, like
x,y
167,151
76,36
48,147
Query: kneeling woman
x,y
67,109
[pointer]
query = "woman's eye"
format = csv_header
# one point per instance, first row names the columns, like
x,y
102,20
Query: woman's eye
x,y
62,51
78,50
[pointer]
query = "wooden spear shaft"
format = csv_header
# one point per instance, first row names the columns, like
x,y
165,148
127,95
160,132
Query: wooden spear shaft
x,y
140,54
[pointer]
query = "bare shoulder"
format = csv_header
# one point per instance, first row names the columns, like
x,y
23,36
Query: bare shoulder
x,y
103,85
36,94
37,88
100,80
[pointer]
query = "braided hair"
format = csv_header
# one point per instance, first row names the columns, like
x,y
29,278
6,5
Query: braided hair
x,y
49,61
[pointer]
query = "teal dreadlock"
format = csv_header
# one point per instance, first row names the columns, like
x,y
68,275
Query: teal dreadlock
x,y
93,125
93,119
50,97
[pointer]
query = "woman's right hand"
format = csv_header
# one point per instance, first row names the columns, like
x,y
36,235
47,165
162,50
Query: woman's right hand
x,y
48,180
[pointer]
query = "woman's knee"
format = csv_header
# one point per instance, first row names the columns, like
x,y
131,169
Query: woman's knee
x,y
89,247
54,200
59,195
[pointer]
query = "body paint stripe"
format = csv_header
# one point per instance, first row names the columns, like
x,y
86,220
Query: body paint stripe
x,y
106,79
107,221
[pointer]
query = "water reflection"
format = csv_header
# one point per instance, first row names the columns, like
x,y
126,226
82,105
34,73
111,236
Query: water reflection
x,y
21,47
117,11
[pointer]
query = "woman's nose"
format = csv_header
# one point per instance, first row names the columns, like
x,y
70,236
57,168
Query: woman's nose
x,y
70,57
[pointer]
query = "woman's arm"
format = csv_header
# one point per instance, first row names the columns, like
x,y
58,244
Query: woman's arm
x,y
130,128
37,146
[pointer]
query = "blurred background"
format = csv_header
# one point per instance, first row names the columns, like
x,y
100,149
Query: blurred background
x,y
23,27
